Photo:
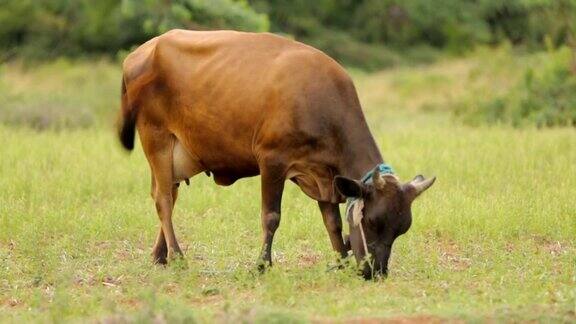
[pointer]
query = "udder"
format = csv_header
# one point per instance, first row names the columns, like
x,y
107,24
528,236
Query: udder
x,y
184,165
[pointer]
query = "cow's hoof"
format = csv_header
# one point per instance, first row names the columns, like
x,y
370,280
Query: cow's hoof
x,y
160,260
174,255
160,256
178,262
369,274
263,266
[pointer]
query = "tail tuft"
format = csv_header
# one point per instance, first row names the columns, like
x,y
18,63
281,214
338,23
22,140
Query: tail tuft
x,y
128,131
127,122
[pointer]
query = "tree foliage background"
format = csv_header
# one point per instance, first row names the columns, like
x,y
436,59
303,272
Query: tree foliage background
x,y
366,33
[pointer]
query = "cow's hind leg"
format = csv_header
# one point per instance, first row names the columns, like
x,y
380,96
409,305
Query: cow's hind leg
x,y
160,250
158,145
164,201
272,186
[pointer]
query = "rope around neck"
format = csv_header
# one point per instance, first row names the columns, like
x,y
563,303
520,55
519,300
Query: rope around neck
x,y
357,207
363,240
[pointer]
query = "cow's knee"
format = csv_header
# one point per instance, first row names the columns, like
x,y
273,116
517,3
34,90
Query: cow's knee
x,y
332,221
334,225
271,221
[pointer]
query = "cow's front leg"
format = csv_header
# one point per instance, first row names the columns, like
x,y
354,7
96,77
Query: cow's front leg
x,y
272,186
333,222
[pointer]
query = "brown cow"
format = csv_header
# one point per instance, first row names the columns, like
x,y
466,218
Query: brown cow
x,y
236,105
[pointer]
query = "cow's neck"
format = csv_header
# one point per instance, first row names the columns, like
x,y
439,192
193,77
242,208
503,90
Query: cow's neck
x,y
363,164
362,156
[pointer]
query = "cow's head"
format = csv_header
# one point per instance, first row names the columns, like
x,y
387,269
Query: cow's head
x,y
386,214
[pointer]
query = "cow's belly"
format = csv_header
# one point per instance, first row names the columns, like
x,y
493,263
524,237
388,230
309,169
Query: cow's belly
x,y
225,162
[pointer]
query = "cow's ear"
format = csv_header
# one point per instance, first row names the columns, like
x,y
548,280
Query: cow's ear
x,y
348,187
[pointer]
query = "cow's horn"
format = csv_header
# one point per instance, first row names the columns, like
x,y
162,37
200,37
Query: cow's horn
x,y
421,184
377,179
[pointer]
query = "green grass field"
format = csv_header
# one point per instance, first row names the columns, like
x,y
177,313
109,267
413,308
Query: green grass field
x,y
493,240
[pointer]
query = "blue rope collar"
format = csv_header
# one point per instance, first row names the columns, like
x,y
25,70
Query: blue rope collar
x,y
383,168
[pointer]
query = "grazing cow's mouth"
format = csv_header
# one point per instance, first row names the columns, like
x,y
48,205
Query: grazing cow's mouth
x,y
376,265
368,272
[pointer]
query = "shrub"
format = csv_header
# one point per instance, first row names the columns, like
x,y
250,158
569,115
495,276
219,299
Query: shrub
x,y
49,28
544,96
351,52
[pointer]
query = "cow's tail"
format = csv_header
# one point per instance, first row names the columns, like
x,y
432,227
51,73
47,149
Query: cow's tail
x,y
126,121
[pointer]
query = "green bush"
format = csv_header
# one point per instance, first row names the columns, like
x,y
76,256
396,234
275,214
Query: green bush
x,y
351,52
376,28
49,28
365,34
545,96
